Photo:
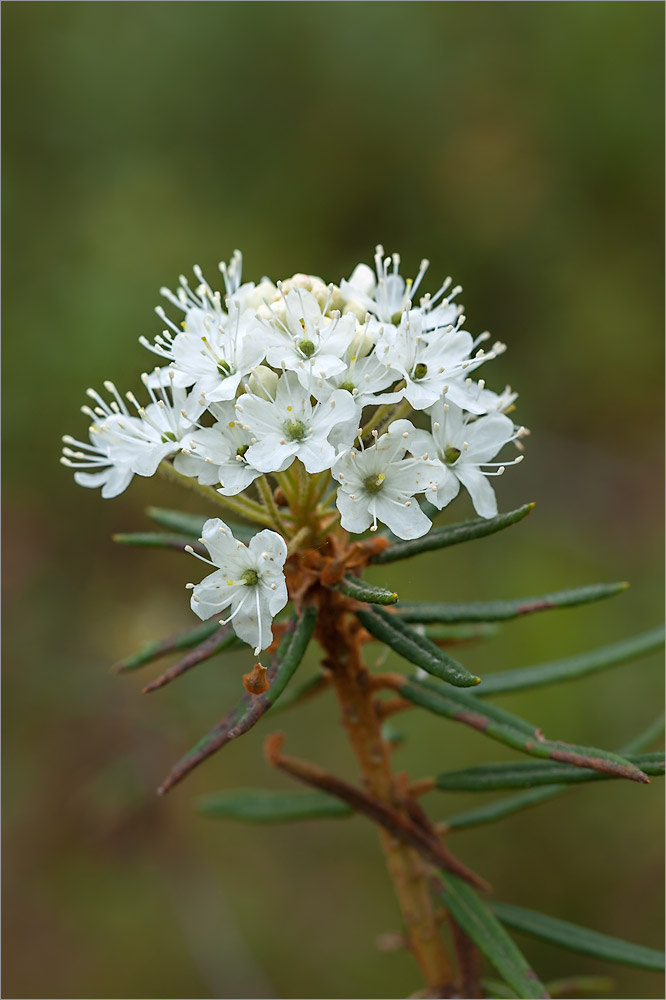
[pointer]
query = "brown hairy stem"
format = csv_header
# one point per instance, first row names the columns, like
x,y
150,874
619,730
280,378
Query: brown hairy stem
x,y
341,638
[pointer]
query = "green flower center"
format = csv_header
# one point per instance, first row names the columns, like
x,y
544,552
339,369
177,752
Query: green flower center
x,y
420,371
294,429
451,454
347,386
168,436
223,367
241,451
396,317
373,484
250,577
307,348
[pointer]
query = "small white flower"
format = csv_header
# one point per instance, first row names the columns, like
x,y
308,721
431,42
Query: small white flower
x,y
93,461
435,362
291,426
214,352
386,294
248,579
463,448
217,454
379,483
306,341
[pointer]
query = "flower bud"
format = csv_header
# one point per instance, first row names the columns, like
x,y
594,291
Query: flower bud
x,y
263,382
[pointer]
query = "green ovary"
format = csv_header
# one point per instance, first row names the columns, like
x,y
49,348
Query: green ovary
x,y
451,455
168,436
307,348
294,429
420,371
250,577
373,484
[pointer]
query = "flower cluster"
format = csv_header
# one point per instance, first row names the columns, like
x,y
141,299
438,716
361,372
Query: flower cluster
x,y
311,385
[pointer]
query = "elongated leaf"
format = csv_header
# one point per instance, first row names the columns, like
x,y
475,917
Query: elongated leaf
x,y
510,804
575,985
497,990
478,921
573,666
530,774
162,647
580,939
224,638
505,806
359,590
250,708
253,805
407,642
302,692
192,524
495,611
452,634
452,534
159,540
512,730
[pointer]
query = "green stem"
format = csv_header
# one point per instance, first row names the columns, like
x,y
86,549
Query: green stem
x,y
247,509
266,494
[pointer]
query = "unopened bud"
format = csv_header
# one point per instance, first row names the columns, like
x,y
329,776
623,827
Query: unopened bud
x,y
263,382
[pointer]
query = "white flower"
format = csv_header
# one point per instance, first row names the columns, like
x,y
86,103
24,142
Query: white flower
x,y
435,363
214,352
291,427
306,341
112,473
217,454
386,295
379,483
248,580
463,449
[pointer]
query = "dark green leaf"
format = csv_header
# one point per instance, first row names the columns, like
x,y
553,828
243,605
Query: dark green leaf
x,y
530,774
359,590
453,534
502,807
573,666
159,540
512,730
575,985
509,804
495,611
477,920
497,990
223,638
254,805
580,939
192,524
303,691
459,633
161,647
407,642
251,708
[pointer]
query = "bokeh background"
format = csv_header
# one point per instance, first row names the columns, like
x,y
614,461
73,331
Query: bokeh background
x,y
517,145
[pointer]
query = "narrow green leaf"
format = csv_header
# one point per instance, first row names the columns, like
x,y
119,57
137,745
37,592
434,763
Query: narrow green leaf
x,y
580,939
575,985
162,647
497,990
359,590
223,638
645,739
505,806
459,633
573,666
495,611
530,774
407,642
192,524
510,804
478,921
452,534
303,691
512,730
251,708
159,540
253,805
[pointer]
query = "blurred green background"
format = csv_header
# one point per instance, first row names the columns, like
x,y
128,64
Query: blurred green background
x,y
520,147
